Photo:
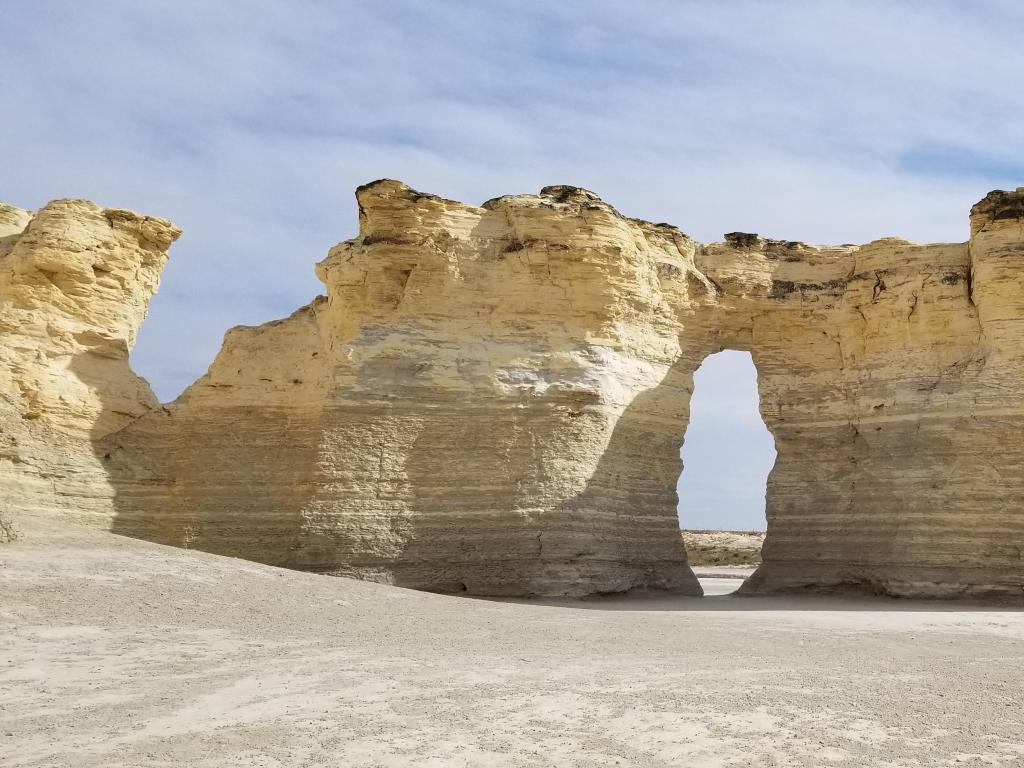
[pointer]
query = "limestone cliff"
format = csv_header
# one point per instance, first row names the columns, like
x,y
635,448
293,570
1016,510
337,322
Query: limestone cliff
x,y
492,399
75,282
439,420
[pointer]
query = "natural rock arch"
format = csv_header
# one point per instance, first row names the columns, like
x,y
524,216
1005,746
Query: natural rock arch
x,y
490,399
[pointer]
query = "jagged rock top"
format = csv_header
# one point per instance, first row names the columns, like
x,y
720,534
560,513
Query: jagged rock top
x,y
998,205
390,195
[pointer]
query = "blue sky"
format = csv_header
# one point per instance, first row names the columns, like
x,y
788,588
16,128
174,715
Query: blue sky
x,y
249,124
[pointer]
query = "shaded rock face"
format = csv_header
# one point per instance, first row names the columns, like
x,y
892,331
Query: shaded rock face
x,y
75,283
491,399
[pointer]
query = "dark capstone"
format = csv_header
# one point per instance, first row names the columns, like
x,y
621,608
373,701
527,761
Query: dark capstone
x,y
412,194
741,239
563,193
999,204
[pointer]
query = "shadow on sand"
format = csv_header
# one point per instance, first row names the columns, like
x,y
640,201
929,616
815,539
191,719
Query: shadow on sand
x,y
739,603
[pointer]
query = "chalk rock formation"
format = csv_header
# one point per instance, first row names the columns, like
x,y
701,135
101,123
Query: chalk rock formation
x,y
75,282
442,418
492,399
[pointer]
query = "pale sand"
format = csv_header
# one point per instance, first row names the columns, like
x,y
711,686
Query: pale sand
x,y
116,652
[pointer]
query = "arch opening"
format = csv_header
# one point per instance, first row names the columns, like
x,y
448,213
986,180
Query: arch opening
x,y
727,454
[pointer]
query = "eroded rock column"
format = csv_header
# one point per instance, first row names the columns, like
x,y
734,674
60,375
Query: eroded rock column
x,y
500,400
75,282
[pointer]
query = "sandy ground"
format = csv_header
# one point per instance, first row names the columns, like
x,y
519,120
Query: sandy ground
x,y
115,652
715,586
718,572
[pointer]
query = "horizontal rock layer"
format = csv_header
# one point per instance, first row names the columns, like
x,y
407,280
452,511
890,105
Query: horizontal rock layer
x,y
491,399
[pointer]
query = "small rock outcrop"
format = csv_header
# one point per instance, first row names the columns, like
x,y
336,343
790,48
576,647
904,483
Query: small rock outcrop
x,y
491,399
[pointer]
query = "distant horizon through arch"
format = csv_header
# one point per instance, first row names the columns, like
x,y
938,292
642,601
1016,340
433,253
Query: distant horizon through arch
x,y
727,450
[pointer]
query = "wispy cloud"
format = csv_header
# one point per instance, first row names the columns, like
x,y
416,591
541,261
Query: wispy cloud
x,y
966,163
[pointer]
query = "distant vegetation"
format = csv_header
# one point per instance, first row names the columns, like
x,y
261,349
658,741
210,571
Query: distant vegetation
x,y
723,547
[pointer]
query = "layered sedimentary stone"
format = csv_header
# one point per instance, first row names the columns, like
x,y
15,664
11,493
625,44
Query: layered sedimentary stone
x,y
231,465
492,399
866,360
75,282
467,374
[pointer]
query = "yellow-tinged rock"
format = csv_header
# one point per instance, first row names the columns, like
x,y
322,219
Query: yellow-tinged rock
x,y
75,283
491,399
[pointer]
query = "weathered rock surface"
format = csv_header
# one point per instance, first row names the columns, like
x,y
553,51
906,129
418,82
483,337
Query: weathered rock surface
x,y
492,399
75,283
440,419
8,532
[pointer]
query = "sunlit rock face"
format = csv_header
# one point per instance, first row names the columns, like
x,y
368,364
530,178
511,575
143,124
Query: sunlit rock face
x,y
451,416
75,283
491,399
